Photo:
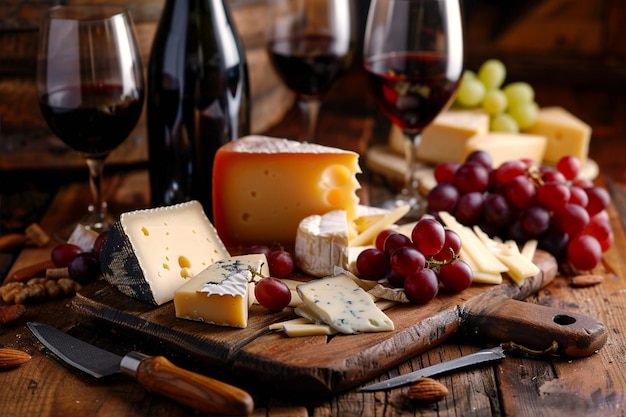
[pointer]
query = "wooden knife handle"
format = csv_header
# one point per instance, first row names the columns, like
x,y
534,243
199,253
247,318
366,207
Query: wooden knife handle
x,y
199,392
534,326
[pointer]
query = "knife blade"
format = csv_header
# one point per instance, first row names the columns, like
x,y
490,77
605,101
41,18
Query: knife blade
x,y
473,359
155,373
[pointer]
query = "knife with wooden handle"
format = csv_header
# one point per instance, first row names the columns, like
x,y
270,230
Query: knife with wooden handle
x,y
155,373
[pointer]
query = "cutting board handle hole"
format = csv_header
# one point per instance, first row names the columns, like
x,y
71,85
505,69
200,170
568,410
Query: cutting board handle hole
x,y
564,319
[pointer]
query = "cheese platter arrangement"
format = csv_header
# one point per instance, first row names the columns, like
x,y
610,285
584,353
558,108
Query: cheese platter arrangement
x,y
170,277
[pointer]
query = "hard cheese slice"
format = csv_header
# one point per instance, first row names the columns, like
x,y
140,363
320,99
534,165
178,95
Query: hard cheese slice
x,y
504,146
444,139
222,293
263,187
148,254
343,305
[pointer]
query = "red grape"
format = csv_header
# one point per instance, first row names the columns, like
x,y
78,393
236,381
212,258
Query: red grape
x,y
422,286
272,293
571,219
395,279
553,195
452,245
599,199
569,166
372,264
584,252
428,236
84,268
471,177
382,236
456,276
444,172
394,241
260,249
280,263
62,254
443,197
535,220
496,210
578,196
480,157
520,192
509,170
97,244
470,208
407,260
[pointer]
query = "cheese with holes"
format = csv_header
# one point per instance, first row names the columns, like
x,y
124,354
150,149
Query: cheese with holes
x,y
566,134
222,293
149,253
504,146
263,187
340,303
444,139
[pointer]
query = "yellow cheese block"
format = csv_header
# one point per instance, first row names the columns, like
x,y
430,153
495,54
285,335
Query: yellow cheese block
x,y
566,134
444,139
263,187
222,293
507,146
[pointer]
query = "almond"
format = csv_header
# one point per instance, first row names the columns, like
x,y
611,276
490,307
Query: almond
x,y
11,313
586,280
427,390
11,358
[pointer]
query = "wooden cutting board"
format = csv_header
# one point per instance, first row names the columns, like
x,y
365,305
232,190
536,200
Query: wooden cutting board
x,y
320,365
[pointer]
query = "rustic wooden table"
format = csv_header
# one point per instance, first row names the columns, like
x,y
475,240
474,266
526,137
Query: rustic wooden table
x,y
516,386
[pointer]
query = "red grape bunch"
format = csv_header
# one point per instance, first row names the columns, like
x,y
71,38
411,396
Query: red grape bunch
x,y
521,200
419,264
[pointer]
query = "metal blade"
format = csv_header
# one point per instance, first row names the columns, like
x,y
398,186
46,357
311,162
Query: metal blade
x,y
88,358
473,359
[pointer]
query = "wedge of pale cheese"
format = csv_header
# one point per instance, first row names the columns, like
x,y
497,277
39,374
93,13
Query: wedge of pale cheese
x,y
263,187
566,134
222,293
148,254
340,303
503,146
444,139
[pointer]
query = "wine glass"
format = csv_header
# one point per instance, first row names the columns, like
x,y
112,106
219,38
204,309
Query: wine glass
x,y
90,87
413,54
310,44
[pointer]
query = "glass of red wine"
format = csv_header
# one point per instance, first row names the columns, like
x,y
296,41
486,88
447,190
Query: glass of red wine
x,y
310,44
90,86
413,54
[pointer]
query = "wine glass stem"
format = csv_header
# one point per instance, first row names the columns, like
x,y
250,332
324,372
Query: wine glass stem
x,y
411,183
309,110
97,211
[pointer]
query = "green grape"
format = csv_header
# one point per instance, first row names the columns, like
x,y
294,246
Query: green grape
x,y
494,102
492,73
503,123
470,93
524,114
519,93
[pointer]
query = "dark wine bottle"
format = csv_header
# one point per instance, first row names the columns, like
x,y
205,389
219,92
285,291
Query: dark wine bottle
x,y
197,99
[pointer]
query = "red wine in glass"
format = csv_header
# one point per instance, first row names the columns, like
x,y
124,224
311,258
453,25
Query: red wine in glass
x,y
92,119
410,88
308,64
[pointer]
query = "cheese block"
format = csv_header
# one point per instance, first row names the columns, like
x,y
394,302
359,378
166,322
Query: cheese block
x,y
321,243
444,139
503,146
566,134
263,187
222,293
149,253
340,303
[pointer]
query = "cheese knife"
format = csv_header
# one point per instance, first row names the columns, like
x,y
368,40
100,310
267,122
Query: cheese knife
x,y
155,373
463,362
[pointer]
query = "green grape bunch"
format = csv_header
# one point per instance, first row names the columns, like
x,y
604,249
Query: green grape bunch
x,y
511,107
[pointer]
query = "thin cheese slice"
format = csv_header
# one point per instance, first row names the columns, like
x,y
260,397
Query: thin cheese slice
x,y
343,305
313,329
223,292
263,187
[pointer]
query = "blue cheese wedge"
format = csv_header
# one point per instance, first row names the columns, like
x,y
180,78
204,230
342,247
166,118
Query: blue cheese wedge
x,y
222,293
150,253
340,303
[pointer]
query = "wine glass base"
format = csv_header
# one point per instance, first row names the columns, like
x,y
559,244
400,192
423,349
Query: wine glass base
x,y
416,202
